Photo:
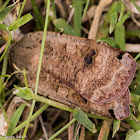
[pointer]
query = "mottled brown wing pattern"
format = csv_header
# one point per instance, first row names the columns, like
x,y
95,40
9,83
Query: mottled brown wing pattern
x,y
98,72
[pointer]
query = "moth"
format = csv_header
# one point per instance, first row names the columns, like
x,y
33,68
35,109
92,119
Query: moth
x,y
78,72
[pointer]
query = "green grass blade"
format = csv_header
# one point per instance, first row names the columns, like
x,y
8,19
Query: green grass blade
x,y
38,17
110,42
62,24
136,88
135,98
54,103
15,120
136,136
77,17
19,22
62,129
137,57
80,116
4,5
133,33
4,12
21,10
116,126
131,120
86,8
113,21
7,46
74,5
122,10
129,134
39,66
120,37
123,19
35,115
3,27
24,92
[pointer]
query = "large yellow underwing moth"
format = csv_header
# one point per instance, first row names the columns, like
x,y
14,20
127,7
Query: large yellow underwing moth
x,y
78,72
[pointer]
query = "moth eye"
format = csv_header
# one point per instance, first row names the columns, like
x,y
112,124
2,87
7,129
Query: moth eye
x,y
89,57
120,56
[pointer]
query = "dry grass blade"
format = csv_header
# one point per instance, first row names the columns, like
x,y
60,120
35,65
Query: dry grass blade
x,y
95,23
104,132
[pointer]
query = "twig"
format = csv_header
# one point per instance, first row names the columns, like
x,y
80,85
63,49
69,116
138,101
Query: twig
x,y
77,130
43,128
3,48
133,48
84,29
95,23
134,19
61,8
82,133
90,13
70,15
55,116
104,132
70,129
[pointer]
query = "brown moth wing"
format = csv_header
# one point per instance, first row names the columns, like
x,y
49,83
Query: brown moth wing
x,y
52,88
67,59
100,73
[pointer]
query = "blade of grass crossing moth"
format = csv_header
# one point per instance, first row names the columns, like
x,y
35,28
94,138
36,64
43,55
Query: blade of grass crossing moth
x,y
135,136
80,116
135,4
116,126
39,66
15,119
62,24
120,37
77,17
